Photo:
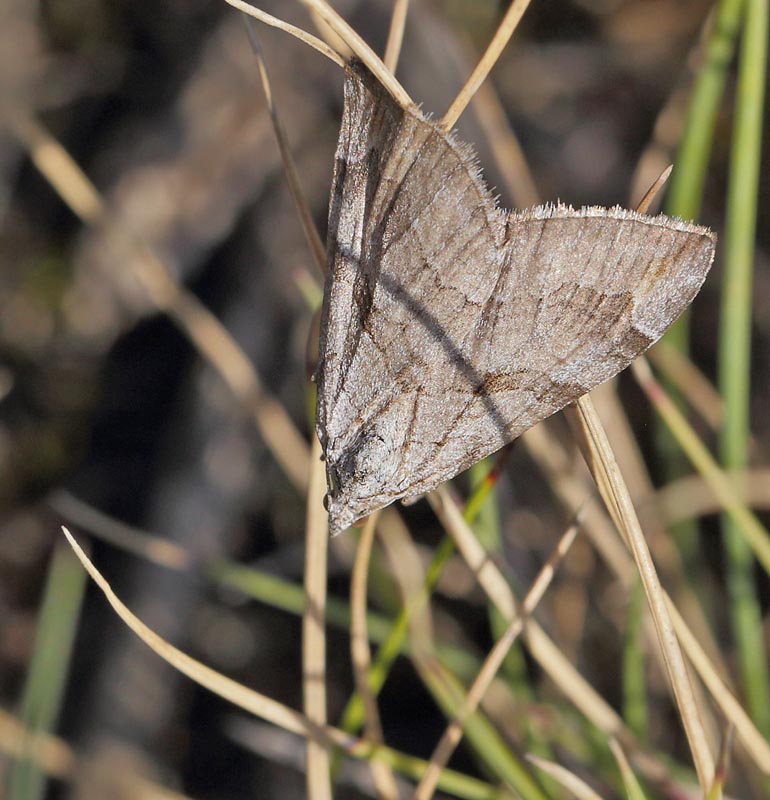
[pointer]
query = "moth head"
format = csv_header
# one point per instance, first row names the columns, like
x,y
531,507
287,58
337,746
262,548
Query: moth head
x,y
356,472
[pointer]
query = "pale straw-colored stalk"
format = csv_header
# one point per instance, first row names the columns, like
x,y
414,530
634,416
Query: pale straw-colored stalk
x,y
361,657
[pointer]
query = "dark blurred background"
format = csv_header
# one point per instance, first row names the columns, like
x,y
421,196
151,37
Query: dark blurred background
x,y
103,397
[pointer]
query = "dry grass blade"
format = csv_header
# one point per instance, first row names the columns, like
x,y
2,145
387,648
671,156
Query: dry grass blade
x,y
164,553
693,725
555,463
247,699
154,549
258,704
603,466
484,569
290,168
361,657
559,668
542,648
359,639
723,765
660,148
506,150
689,382
545,450
752,740
52,754
750,526
602,534
360,48
571,491
633,790
207,334
703,756
58,760
651,193
395,34
293,30
317,778
451,736
664,550
496,46
53,162
692,496
567,779
407,569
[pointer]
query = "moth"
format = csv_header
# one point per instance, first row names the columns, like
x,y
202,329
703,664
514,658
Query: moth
x,y
450,326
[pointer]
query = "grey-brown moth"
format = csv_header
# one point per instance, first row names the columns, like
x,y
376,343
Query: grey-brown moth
x,y
450,326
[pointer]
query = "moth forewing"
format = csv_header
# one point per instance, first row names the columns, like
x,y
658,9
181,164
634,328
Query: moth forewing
x,y
450,326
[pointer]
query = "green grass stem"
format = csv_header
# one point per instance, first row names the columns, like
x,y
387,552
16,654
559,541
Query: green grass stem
x,y
735,347
634,661
685,197
705,464
685,191
49,667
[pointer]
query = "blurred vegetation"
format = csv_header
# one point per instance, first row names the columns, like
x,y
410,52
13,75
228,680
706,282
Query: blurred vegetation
x,y
111,422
